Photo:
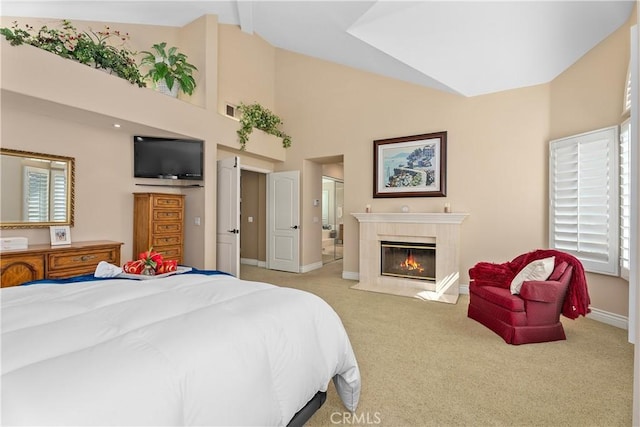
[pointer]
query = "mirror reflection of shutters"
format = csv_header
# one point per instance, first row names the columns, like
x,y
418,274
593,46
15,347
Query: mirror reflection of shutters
x,y
36,206
58,196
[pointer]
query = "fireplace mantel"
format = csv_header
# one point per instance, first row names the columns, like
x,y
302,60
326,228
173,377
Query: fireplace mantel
x,y
413,218
443,229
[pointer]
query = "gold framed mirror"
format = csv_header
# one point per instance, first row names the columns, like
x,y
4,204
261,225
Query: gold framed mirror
x,y
36,190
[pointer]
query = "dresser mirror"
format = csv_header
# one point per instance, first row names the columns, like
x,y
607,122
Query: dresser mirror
x,y
36,190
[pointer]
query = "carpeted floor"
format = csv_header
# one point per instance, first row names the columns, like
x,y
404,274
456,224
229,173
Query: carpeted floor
x,y
427,364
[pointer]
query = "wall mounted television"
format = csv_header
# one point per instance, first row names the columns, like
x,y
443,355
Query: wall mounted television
x,y
167,158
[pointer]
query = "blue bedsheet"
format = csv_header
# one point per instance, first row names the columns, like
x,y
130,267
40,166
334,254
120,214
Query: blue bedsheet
x,y
91,277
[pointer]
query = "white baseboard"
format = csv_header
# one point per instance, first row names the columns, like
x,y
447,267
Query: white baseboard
x,y
612,319
310,267
250,261
351,275
596,314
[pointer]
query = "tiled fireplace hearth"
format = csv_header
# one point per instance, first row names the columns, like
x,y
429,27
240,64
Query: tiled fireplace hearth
x,y
397,251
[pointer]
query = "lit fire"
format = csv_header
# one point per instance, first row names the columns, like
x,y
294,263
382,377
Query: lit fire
x,y
411,264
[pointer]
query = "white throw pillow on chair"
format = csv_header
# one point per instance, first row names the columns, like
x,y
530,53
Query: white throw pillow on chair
x,y
539,269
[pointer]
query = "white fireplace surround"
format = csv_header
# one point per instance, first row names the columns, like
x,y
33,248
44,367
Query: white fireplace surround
x,y
443,229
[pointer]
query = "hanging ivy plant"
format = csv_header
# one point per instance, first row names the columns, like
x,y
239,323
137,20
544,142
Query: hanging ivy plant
x,y
256,116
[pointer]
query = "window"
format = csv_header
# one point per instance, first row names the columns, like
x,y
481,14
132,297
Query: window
x,y
625,199
583,205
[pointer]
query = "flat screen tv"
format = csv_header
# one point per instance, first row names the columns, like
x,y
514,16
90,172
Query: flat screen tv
x,y
167,158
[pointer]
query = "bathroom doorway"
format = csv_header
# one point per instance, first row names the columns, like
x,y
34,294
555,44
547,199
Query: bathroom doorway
x,y
332,219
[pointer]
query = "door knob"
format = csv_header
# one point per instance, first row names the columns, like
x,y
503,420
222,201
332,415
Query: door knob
x,y
234,231
295,227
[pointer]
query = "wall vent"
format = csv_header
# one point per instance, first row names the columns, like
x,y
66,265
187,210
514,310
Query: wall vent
x,y
231,110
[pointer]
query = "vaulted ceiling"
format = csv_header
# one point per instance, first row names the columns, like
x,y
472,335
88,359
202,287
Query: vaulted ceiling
x,y
465,47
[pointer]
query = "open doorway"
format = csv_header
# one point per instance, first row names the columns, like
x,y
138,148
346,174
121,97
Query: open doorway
x,y
332,219
253,212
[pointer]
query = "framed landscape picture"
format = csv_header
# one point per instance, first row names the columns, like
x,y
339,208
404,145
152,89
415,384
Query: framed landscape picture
x,y
410,166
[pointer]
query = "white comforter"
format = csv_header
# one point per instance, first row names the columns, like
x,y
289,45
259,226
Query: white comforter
x,y
183,350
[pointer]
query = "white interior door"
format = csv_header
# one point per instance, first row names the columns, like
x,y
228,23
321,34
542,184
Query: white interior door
x,y
228,216
283,221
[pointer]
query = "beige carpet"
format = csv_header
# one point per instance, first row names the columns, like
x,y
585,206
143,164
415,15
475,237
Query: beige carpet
x,y
427,364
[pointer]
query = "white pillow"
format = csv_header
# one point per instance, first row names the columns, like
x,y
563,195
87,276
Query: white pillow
x,y
539,269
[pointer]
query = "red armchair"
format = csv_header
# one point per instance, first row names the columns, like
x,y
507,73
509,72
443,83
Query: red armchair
x,y
533,315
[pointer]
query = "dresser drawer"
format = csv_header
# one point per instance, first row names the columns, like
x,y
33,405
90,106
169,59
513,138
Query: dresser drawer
x,y
167,215
170,252
63,274
167,202
81,262
166,240
167,228
16,270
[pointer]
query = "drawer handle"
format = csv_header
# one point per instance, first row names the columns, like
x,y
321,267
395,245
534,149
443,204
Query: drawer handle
x,y
84,258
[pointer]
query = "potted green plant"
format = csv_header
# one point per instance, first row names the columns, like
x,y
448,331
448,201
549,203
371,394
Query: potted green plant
x,y
170,69
104,50
257,116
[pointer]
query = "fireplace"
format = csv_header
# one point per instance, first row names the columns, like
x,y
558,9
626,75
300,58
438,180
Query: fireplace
x,y
408,260
410,239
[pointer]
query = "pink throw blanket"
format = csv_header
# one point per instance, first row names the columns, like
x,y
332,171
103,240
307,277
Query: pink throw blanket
x,y
577,300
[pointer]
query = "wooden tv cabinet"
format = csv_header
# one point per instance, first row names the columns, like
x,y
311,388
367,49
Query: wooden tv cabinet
x,y
55,262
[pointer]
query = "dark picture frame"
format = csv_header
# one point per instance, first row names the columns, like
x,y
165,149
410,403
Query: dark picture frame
x,y
410,166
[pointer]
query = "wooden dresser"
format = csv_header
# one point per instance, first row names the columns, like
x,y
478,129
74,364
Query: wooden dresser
x,y
158,222
55,262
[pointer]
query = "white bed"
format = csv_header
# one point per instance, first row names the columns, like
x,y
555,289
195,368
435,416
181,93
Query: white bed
x,y
189,349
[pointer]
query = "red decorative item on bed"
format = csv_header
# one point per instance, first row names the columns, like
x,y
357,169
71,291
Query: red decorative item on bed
x,y
152,260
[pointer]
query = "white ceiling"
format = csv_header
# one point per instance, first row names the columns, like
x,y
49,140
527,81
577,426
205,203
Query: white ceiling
x,y
465,47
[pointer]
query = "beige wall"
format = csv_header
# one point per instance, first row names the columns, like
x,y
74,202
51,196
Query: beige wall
x,y
334,170
246,69
489,138
11,189
310,215
104,184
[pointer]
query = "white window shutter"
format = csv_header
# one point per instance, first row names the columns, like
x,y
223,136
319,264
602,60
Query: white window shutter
x,y
583,205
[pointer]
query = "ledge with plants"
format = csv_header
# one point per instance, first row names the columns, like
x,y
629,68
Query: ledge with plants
x,y
68,90
95,49
256,116
107,50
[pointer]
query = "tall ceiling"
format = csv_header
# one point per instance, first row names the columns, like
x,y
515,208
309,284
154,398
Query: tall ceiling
x,y
465,47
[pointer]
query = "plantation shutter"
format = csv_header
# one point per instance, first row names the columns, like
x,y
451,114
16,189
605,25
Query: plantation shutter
x,y
583,205
36,197
58,196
